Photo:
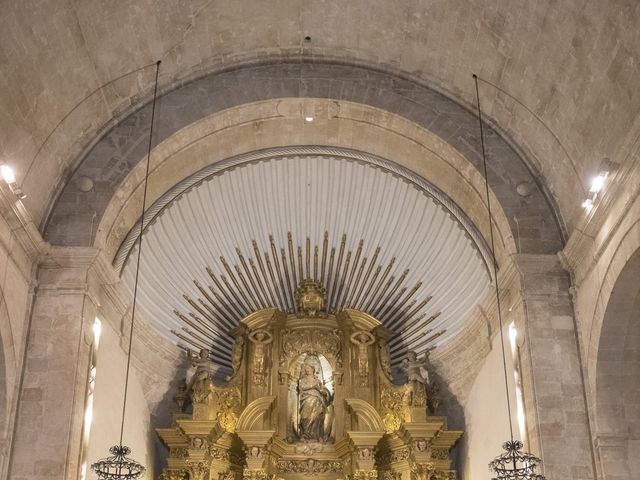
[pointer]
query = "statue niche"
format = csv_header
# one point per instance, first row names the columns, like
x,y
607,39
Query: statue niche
x,y
312,411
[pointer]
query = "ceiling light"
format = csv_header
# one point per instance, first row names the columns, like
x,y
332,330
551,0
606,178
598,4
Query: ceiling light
x,y
598,182
308,119
7,174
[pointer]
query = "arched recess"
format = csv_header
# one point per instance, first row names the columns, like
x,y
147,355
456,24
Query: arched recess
x,y
617,386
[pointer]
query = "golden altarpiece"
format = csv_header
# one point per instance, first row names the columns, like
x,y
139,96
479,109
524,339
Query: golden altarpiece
x,y
311,395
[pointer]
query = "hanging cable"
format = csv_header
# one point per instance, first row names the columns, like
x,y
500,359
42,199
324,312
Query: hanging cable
x,y
493,253
135,284
118,466
514,464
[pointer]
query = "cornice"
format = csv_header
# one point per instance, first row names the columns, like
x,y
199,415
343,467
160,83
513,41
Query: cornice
x,y
23,231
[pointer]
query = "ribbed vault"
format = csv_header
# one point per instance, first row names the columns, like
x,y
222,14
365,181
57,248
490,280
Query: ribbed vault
x,y
241,236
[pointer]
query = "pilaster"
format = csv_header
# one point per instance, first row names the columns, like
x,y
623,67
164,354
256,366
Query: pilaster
x,y
47,439
553,388
613,457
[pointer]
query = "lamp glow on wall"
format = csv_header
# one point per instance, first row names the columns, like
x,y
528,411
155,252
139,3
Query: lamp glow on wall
x,y
9,176
513,464
597,184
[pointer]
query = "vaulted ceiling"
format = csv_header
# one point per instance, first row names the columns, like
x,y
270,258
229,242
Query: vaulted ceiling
x,y
566,72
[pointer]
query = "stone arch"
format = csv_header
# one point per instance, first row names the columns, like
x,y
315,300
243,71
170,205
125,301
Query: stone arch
x,y
75,214
617,395
360,129
253,416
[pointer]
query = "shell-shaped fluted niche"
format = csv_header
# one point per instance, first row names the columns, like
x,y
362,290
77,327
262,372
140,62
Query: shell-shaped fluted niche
x,y
378,239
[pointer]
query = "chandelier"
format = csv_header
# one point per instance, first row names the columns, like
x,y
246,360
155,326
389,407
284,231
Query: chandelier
x,y
118,466
513,464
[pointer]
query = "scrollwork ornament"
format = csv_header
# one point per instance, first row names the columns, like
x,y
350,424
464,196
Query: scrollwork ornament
x,y
173,474
218,453
390,475
226,475
255,474
314,341
422,471
309,466
228,400
199,471
395,404
227,420
395,456
392,422
440,453
400,454
365,475
179,452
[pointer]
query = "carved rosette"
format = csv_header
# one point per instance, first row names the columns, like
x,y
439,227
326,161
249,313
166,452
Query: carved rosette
x,y
394,456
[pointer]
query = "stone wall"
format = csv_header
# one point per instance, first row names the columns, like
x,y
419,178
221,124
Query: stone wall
x,y
600,256
486,418
19,247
